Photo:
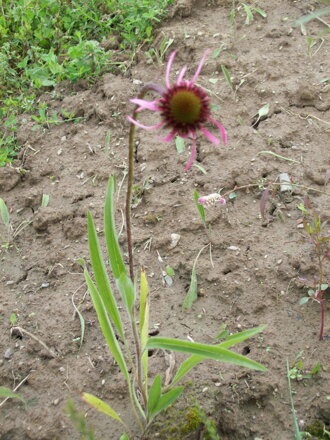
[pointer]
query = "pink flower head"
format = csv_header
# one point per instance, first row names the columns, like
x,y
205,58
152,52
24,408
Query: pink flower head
x,y
211,200
184,109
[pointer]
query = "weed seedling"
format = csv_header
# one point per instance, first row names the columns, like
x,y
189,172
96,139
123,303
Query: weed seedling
x,y
315,234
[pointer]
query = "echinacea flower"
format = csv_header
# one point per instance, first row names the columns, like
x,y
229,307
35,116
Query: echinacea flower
x,y
211,200
184,109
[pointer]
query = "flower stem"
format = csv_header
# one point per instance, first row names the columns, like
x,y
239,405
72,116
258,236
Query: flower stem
x,y
131,143
131,138
322,319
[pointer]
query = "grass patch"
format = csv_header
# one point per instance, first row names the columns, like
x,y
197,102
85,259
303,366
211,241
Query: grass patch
x,y
43,42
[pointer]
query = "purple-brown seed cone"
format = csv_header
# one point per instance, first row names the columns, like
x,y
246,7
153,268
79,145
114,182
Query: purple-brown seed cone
x,y
184,108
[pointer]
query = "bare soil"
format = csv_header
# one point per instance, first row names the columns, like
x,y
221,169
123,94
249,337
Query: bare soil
x,y
254,275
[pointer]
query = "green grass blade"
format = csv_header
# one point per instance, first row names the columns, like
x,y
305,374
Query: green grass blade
x,y
226,74
101,277
306,18
101,406
297,434
82,321
204,350
4,213
106,326
278,156
8,393
166,400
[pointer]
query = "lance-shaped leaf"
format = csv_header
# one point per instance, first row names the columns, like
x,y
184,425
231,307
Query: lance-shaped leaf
x,y
116,261
206,351
154,394
101,277
101,406
230,341
9,394
166,400
124,283
106,326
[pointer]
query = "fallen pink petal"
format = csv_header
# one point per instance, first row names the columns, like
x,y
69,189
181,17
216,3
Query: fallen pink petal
x,y
184,109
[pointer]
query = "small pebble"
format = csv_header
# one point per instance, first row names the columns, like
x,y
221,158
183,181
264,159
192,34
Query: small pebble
x,y
8,353
56,402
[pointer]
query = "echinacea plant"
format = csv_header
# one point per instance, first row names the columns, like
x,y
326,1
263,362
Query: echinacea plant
x,y
148,396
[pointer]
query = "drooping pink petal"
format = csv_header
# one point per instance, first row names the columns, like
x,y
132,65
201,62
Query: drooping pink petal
x,y
168,69
155,87
146,105
168,138
193,154
210,136
145,127
200,66
181,75
221,128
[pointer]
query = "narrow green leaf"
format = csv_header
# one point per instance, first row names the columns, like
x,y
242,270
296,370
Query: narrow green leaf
x,y
101,406
297,434
179,144
101,277
115,258
126,290
234,339
227,76
260,12
306,18
154,394
199,207
248,12
166,400
193,360
204,350
304,300
278,156
191,296
143,340
7,392
217,51
82,321
4,213
202,169
106,326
